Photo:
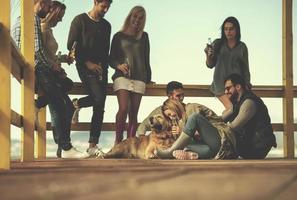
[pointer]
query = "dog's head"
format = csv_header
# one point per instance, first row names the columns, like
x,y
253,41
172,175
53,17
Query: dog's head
x,y
159,123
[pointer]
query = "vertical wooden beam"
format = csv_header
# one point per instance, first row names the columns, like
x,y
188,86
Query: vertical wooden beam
x,y
288,107
27,85
41,135
5,89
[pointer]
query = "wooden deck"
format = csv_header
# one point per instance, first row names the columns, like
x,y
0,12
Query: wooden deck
x,y
150,179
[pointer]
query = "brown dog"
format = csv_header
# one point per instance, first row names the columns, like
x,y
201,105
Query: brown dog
x,y
143,147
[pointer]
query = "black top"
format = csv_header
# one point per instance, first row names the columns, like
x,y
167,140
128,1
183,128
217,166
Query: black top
x,y
93,39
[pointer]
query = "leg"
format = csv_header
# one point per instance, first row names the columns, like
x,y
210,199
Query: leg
x,y
121,116
133,112
209,134
98,95
46,81
225,101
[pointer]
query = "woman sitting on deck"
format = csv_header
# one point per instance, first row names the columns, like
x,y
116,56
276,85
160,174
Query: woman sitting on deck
x,y
216,138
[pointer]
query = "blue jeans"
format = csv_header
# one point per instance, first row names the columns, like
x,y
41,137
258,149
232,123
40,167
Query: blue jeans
x,y
60,105
210,138
96,90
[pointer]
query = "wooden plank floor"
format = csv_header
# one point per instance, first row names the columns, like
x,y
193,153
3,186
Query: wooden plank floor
x,y
150,179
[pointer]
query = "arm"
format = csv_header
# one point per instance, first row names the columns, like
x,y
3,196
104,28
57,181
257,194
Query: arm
x,y
114,52
74,32
145,124
47,37
211,52
246,112
39,51
147,59
115,56
246,69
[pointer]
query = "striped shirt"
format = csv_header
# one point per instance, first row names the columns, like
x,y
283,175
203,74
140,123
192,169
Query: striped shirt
x,y
39,57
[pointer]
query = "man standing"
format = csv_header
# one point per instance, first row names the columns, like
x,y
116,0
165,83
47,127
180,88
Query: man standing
x,y
90,35
249,119
60,105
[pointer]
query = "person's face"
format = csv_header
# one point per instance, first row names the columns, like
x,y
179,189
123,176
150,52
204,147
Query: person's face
x,y
101,8
170,114
43,8
177,94
137,20
230,31
59,18
231,91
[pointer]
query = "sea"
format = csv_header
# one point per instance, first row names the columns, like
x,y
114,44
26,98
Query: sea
x,y
79,139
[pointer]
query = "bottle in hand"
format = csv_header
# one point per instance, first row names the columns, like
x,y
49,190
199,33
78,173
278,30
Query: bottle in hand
x,y
128,75
174,127
71,53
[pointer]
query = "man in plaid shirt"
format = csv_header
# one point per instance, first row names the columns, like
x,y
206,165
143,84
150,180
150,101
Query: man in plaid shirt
x,y
60,105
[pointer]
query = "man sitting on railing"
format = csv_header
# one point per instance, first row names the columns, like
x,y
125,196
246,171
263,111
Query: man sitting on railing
x,y
60,105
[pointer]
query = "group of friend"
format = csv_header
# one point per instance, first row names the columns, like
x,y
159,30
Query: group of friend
x,y
244,129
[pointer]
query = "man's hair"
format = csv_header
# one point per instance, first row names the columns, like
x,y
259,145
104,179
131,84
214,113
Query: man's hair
x,y
173,85
236,79
100,1
36,1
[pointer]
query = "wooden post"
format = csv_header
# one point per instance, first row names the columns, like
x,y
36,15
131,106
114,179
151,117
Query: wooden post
x,y
288,107
5,89
27,85
41,135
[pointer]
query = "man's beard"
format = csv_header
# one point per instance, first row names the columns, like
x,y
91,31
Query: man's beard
x,y
234,97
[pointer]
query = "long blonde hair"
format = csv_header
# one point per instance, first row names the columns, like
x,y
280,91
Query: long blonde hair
x,y
176,106
135,9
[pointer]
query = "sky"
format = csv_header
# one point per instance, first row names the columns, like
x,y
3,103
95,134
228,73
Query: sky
x,y
178,32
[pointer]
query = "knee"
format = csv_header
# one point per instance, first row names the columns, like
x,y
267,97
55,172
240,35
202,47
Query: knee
x,y
195,117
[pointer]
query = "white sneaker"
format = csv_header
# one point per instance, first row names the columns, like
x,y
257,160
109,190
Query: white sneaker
x,y
74,119
185,155
95,152
73,153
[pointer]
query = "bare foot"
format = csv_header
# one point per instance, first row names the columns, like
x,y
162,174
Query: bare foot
x,y
185,155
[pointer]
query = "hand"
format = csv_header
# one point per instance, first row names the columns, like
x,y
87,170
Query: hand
x,y
69,59
97,68
175,130
209,51
124,68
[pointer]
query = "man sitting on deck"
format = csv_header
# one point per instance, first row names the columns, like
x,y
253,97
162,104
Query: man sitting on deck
x,y
249,119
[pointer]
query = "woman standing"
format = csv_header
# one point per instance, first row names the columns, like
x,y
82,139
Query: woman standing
x,y
227,55
129,56
55,16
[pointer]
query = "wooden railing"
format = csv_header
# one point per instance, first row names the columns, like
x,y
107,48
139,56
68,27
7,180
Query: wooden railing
x,y
13,62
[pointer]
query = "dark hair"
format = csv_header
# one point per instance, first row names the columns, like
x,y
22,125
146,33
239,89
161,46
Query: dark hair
x,y
236,79
100,1
56,4
235,22
173,85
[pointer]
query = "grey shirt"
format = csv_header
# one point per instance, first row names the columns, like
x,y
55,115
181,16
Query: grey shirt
x,y
229,61
134,52
246,112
